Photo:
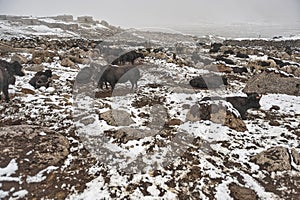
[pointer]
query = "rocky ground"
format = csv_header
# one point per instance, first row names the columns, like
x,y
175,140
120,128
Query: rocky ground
x,y
76,141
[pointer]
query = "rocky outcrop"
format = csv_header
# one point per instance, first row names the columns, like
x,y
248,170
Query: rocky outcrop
x,y
273,82
85,26
216,113
274,159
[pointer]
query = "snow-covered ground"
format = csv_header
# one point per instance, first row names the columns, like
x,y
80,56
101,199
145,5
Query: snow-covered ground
x,y
140,144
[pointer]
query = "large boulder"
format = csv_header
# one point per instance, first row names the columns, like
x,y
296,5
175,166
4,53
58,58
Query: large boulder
x,y
216,113
273,82
208,81
273,159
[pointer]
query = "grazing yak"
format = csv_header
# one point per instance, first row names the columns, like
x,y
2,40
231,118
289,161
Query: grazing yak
x,y
241,55
239,70
226,60
7,75
41,78
208,81
127,57
114,74
242,104
215,47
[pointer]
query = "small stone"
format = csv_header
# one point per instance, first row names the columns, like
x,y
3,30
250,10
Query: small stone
x,y
242,193
35,68
117,118
296,156
37,60
27,91
42,89
50,90
274,107
19,58
274,123
174,122
66,62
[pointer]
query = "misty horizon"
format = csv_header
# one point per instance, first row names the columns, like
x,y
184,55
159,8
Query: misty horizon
x,y
214,17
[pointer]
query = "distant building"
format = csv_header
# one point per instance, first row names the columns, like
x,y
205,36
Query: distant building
x,y
30,21
65,18
85,19
3,17
14,18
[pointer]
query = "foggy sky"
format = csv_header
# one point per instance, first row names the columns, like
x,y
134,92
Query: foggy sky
x,y
162,13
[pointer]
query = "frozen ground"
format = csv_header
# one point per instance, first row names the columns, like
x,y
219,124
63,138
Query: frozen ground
x,y
73,141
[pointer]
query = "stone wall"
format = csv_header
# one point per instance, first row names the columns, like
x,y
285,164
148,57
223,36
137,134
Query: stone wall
x,y
65,18
85,19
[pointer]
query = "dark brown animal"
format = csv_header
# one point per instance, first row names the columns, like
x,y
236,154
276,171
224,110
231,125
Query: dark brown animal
x,y
7,75
239,70
226,60
127,57
215,47
114,74
41,78
242,104
241,55
208,81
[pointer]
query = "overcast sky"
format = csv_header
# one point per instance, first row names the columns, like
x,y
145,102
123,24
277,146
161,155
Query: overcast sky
x,y
141,13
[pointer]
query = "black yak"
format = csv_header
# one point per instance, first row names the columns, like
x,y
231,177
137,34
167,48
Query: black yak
x,y
127,57
208,81
242,104
226,60
7,75
239,70
241,55
215,47
114,74
41,78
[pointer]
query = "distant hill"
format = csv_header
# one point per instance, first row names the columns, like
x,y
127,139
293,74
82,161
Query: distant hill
x,y
62,26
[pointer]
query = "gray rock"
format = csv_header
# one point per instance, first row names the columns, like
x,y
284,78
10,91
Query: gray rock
x,y
273,159
66,62
296,156
117,118
193,114
126,134
19,58
272,82
242,193
217,114
35,68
